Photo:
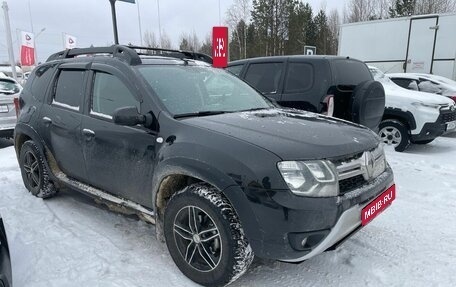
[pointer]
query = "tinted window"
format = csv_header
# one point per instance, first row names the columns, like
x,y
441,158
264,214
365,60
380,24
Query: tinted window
x,y
299,77
402,82
350,73
109,94
69,89
265,76
39,82
235,70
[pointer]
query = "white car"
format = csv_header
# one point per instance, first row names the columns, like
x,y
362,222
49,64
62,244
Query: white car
x,y
425,83
412,116
9,89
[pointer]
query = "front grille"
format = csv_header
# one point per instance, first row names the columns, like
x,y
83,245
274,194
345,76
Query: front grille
x,y
349,184
357,171
448,117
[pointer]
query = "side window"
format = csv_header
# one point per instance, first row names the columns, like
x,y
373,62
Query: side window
x,y
299,77
265,76
38,82
235,70
404,83
109,94
69,89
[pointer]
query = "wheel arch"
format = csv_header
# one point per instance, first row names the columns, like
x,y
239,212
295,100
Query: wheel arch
x,y
404,117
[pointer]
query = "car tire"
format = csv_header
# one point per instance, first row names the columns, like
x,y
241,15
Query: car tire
x,y
423,141
393,132
34,171
215,256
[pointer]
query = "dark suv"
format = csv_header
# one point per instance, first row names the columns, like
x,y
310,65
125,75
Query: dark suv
x,y
222,172
336,86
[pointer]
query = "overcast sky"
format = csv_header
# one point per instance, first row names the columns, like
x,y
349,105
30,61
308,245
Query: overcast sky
x,y
90,21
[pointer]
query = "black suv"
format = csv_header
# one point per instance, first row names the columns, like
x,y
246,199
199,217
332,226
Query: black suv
x,y
222,172
336,86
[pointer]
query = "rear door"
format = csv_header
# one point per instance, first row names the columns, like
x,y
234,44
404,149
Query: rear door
x,y
421,44
119,159
60,119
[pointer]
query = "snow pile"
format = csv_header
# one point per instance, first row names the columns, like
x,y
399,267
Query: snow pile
x,y
70,241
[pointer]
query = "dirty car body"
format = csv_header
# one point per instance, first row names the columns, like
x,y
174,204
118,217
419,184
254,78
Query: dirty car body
x,y
200,124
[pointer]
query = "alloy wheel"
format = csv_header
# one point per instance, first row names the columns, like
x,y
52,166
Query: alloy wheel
x,y
197,238
32,170
391,136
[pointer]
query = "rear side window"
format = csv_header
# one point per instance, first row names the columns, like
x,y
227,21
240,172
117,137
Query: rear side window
x,y
404,83
265,77
235,70
69,88
109,94
299,77
350,72
39,81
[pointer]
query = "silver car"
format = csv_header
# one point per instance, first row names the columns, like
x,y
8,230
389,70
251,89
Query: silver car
x,y
9,89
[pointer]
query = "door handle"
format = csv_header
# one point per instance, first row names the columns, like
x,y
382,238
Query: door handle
x,y
88,133
47,121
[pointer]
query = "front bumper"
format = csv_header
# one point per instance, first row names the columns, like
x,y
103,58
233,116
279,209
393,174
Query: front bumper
x,y
285,220
433,130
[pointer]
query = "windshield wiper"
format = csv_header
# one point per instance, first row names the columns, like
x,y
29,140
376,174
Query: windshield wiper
x,y
200,114
254,109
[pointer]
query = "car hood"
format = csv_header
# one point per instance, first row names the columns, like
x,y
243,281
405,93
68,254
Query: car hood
x,y
291,134
393,93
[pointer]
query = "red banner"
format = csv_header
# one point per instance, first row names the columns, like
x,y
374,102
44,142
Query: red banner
x,y
27,49
220,47
27,56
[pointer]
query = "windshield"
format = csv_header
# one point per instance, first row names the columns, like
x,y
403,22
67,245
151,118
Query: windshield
x,y
9,87
196,89
379,76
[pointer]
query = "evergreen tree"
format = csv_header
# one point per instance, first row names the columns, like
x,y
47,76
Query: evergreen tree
x,y
402,8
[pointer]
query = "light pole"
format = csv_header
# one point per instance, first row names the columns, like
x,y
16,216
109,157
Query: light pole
x,y
9,40
34,43
114,17
159,24
139,21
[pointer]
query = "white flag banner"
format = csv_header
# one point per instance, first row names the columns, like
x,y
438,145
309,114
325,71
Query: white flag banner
x,y
70,42
27,39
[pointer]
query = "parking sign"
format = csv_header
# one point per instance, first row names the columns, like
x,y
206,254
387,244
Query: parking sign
x,y
310,50
220,47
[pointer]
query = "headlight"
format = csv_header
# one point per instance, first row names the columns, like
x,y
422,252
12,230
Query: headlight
x,y
426,105
316,178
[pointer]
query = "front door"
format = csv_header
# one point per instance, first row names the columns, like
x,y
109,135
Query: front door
x,y
119,159
421,45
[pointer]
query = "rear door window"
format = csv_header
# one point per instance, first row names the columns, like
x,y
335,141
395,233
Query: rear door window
x,y
265,77
69,89
350,72
404,83
235,70
110,93
299,77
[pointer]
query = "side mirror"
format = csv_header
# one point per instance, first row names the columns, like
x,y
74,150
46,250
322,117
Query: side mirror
x,y
128,116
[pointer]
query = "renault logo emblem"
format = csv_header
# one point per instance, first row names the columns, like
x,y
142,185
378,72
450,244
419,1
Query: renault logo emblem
x,y
452,108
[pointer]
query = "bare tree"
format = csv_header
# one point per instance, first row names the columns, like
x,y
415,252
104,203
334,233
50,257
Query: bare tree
x,y
165,41
333,25
434,6
239,12
150,40
189,42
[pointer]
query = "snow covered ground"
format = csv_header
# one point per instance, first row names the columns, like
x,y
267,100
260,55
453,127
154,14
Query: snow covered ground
x,y
70,241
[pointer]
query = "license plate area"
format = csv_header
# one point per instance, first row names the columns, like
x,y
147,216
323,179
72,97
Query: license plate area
x,y
376,206
4,109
